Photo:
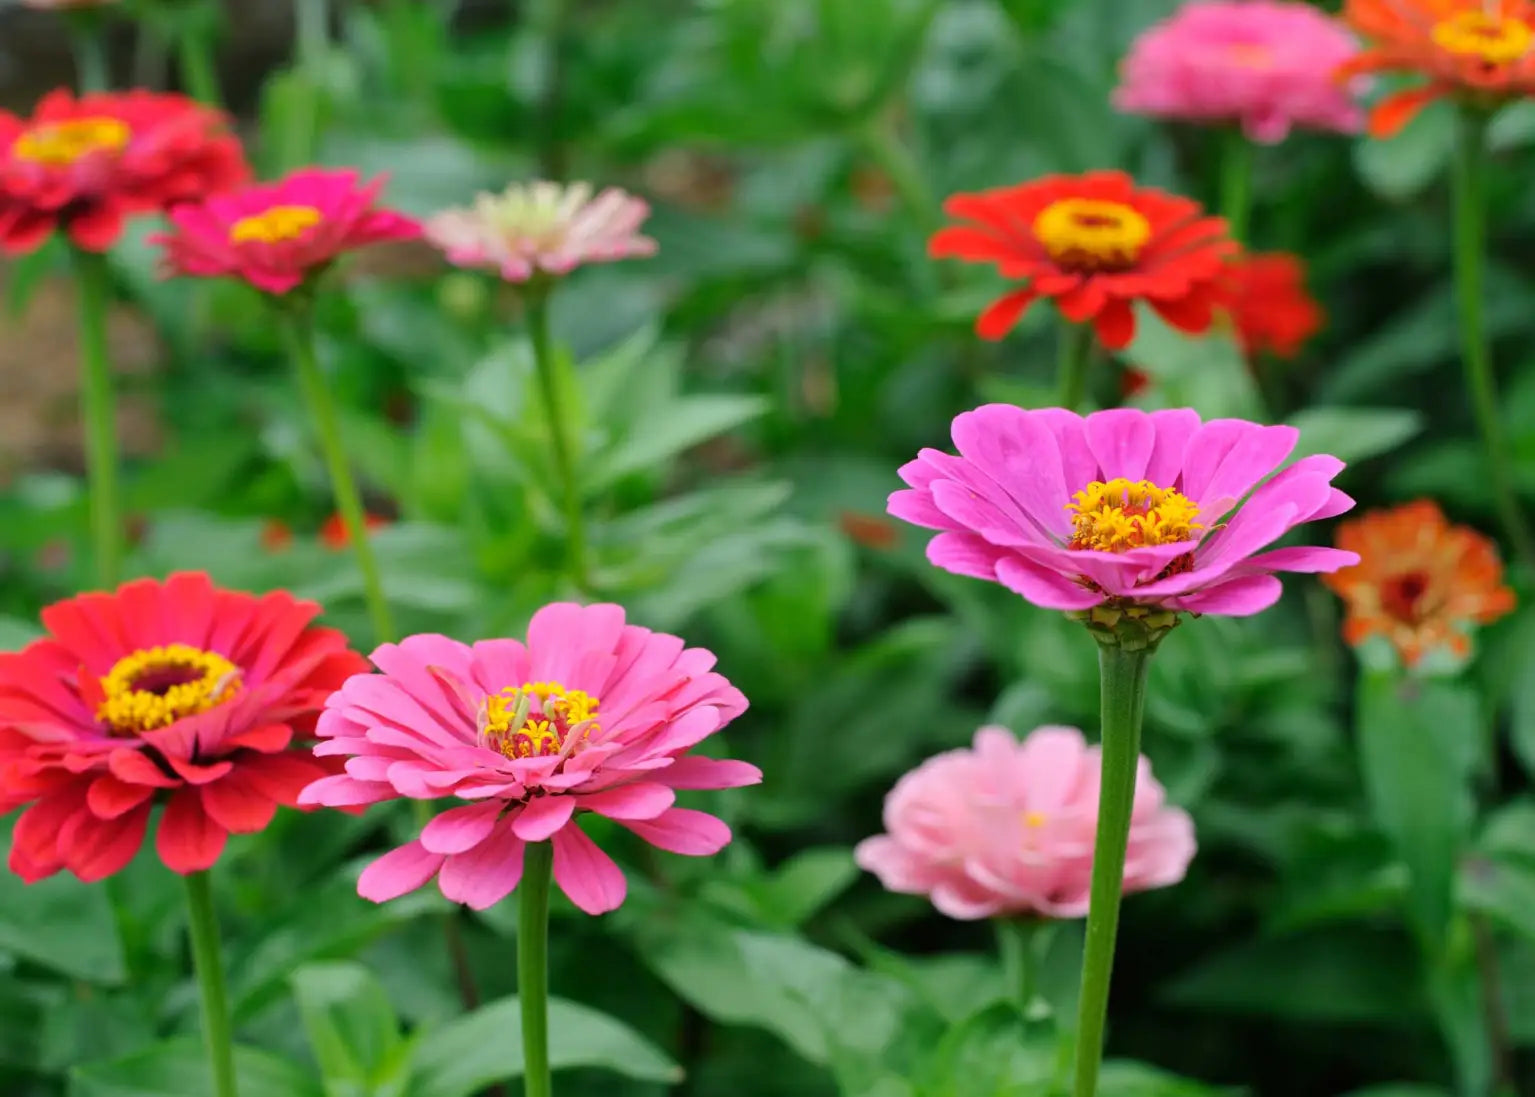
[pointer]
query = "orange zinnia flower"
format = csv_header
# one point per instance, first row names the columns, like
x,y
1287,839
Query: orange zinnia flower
x,y
1420,582
1482,51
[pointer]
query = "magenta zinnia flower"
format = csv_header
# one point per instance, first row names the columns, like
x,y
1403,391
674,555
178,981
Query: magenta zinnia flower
x,y
590,715
1122,507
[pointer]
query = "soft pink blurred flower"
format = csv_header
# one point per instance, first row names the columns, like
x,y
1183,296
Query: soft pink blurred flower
x,y
608,713
1008,828
542,227
1266,64
1123,507
277,235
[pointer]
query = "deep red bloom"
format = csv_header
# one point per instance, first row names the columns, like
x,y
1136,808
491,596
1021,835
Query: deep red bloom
x,y
335,535
174,692
1269,305
1096,243
86,165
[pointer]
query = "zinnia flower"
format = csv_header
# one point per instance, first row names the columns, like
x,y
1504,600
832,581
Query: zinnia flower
x,y
1269,305
277,236
1479,51
1266,65
86,165
173,692
1008,828
590,715
1096,243
1122,508
335,535
1421,583
547,228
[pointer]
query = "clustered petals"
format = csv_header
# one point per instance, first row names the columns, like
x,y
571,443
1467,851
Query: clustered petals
x,y
1271,310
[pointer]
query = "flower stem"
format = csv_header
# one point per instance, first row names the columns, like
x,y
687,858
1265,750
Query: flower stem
x,y
99,413
1015,942
884,146
93,69
1122,677
1237,183
1076,353
554,412
299,333
198,63
1470,249
217,1034
553,17
533,966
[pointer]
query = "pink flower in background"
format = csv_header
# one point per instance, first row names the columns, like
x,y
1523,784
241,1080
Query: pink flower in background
x,y
276,236
1008,828
1122,507
542,227
1268,65
590,715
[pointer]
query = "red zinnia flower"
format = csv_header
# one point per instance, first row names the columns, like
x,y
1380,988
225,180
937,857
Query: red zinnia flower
x,y
335,535
1269,304
1097,243
172,691
87,164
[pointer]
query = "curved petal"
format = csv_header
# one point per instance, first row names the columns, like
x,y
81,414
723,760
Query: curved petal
x,y
543,816
682,830
483,876
586,874
189,839
397,872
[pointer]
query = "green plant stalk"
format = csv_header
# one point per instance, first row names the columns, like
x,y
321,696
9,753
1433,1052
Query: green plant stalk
x,y
883,146
1470,225
1015,943
533,966
554,412
1122,685
1076,354
1237,183
203,926
98,412
553,17
198,63
88,37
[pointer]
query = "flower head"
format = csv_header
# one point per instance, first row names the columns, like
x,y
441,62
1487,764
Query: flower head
x,y
1421,583
86,165
174,692
1269,305
277,236
590,715
1096,243
1265,64
1009,828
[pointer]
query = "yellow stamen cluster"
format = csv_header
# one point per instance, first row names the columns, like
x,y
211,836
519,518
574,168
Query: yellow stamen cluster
x,y
1035,819
538,718
1495,39
1119,515
1090,234
155,687
59,144
275,225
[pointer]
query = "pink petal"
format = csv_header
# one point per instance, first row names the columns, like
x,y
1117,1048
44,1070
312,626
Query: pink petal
x,y
696,771
486,874
460,829
642,800
397,872
965,554
542,816
1043,587
682,830
586,874
1241,597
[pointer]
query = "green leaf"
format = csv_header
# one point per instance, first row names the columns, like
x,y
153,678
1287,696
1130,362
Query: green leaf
x,y
352,1030
1121,1078
807,882
1400,168
679,427
1207,372
992,1054
1403,1090
180,1067
62,924
16,634
1353,434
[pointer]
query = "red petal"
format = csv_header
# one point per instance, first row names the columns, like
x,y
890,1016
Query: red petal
x,y
109,798
268,739
1392,113
1191,314
1116,324
189,841
237,805
1000,316
94,849
135,768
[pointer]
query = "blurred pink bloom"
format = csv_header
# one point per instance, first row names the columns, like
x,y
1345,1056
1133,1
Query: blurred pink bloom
x,y
544,227
1008,828
1266,64
591,714
277,235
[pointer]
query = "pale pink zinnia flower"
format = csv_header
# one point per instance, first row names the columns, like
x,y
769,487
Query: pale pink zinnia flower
x,y
1122,507
591,714
542,227
1009,828
1268,65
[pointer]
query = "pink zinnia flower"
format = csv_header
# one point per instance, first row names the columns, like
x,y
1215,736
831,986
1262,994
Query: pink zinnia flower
x,y
1009,828
1122,507
591,714
542,227
276,236
1268,65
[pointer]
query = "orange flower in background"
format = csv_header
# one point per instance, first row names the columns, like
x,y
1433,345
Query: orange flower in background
x,y
1096,243
335,535
276,535
1479,50
1421,583
1270,307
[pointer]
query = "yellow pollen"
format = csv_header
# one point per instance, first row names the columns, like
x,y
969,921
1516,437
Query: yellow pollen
x,y
155,687
275,225
1495,39
1089,234
538,718
1034,820
59,144
1126,514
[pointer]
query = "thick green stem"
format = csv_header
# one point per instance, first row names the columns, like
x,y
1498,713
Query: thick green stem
x,y
1237,183
198,63
1470,269
1076,354
533,966
554,412
98,406
217,1034
1015,942
93,70
1123,701
554,27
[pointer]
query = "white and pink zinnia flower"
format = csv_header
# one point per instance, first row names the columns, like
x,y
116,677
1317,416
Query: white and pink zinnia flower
x,y
590,715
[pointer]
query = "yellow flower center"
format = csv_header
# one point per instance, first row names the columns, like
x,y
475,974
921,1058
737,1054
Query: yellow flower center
x,y
1120,515
59,144
538,718
1496,39
1034,819
1089,234
275,225
155,687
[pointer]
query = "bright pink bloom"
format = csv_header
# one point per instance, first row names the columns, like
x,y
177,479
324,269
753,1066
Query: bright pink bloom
x,y
276,236
1010,828
591,714
1122,506
1268,65
178,693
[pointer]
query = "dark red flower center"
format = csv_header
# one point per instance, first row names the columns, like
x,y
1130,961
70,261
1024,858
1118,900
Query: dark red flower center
x,y
1404,596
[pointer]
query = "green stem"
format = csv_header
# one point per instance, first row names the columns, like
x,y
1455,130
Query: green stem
x,y
533,966
217,1034
93,68
554,28
299,333
99,414
1470,259
1015,942
198,62
1122,676
1076,353
1237,183
886,149
554,413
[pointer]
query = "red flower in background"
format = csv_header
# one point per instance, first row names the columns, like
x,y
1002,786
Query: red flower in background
x,y
1269,305
335,535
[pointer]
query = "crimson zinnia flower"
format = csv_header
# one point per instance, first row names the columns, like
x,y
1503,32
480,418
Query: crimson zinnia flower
x,y
1269,305
85,165
1096,243
174,692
